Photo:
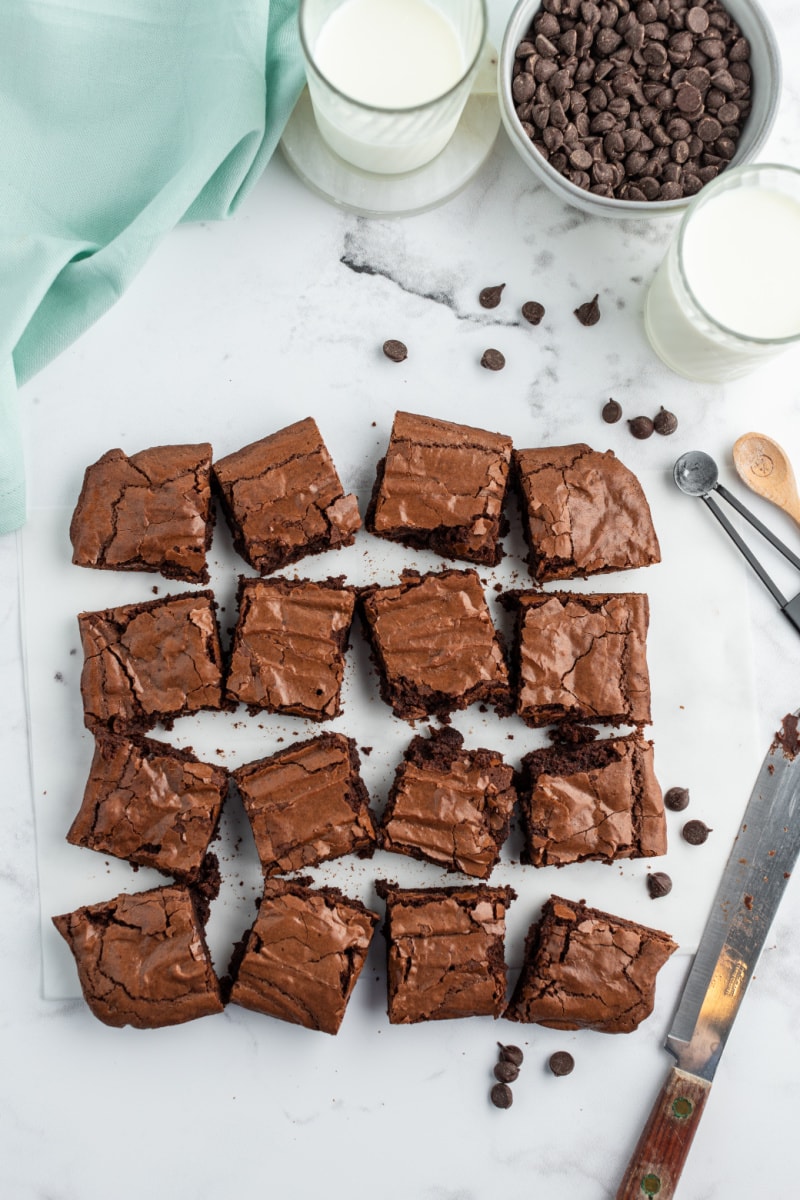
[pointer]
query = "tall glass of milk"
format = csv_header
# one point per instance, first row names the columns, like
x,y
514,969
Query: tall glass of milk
x,y
727,295
388,79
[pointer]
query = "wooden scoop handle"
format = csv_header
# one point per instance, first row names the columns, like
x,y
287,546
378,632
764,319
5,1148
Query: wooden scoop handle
x,y
662,1150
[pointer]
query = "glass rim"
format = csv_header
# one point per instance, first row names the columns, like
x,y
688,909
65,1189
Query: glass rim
x,y
376,108
706,193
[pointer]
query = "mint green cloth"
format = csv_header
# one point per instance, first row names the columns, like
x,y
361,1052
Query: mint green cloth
x,y
118,119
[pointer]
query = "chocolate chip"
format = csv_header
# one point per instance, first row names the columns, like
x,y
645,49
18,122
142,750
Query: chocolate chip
x,y
695,832
395,350
588,313
511,1054
641,427
697,20
659,884
502,1096
676,798
612,411
490,296
533,311
665,422
493,360
506,1071
561,1063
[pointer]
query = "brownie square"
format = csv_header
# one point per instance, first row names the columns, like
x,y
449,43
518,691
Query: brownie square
x,y
150,662
581,657
150,803
599,800
142,959
445,951
449,805
434,644
288,646
583,513
586,969
441,487
307,804
283,499
149,512
303,955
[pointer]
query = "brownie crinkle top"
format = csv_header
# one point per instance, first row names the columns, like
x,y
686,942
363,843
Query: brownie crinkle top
x,y
442,486
151,661
584,512
149,512
283,498
142,959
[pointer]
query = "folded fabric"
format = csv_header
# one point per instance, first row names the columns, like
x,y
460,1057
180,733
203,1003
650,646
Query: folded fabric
x,y
119,119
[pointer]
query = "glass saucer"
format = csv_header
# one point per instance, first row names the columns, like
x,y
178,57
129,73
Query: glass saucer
x,y
373,195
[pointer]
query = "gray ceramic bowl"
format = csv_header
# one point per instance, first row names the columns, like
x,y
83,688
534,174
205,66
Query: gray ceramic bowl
x,y
766,84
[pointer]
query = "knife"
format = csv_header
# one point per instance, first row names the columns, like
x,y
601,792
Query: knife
x,y
753,882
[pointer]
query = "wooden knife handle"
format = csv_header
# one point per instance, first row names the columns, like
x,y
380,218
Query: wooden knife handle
x,y
657,1161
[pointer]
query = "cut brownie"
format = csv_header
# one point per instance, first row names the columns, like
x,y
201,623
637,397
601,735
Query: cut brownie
x,y
449,805
581,657
150,662
149,512
150,803
434,644
441,487
304,954
583,513
599,800
283,498
142,959
288,646
445,951
585,969
307,804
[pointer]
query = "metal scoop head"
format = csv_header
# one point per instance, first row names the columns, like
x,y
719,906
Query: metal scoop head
x,y
696,473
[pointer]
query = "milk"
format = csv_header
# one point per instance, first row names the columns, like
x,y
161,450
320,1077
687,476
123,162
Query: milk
x,y
373,63
389,53
725,296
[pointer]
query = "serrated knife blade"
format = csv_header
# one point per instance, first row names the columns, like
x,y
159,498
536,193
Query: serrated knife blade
x,y
759,867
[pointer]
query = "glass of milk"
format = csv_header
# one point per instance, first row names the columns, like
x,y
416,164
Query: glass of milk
x,y
727,295
388,79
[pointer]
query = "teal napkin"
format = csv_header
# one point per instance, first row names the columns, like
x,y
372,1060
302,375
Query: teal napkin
x,y
118,119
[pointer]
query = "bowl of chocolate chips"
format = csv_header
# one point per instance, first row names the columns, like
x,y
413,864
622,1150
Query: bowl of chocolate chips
x,y
627,108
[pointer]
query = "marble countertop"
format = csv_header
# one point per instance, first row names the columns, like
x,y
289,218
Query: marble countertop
x,y
246,325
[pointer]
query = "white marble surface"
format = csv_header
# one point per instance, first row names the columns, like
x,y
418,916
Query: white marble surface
x,y
246,325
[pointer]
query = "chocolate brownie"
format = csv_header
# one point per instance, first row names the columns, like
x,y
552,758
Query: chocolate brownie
x,y
599,800
581,657
585,969
583,513
303,955
283,499
307,804
449,805
149,512
434,644
142,959
150,662
149,803
441,487
445,951
288,646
